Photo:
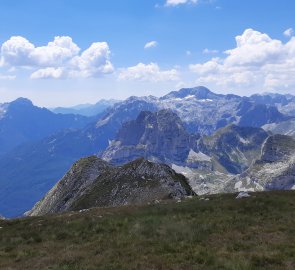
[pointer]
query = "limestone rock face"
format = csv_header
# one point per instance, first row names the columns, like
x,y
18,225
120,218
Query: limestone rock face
x,y
92,182
234,147
158,136
277,148
208,162
274,170
283,128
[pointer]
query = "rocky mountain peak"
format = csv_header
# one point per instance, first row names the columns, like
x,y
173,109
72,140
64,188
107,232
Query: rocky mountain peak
x,y
156,136
93,183
199,92
22,102
257,114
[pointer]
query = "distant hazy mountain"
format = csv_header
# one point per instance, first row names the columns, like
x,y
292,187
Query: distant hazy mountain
x,y
204,112
28,172
87,109
21,122
201,112
91,182
285,103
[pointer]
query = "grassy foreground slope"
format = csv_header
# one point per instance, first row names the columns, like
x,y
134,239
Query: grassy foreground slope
x,y
219,233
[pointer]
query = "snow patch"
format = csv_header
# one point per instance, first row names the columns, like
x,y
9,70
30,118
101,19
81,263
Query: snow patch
x,y
198,156
243,195
238,185
189,97
242,140
205,100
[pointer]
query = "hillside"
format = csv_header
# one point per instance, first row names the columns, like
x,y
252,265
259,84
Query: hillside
x,y
275,168
92,182
219,233
284,128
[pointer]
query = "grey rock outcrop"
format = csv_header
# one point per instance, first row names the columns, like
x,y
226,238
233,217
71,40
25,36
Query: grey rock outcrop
x,y
234,147
92,182
158,136
274,170
208,162
81,175
283,128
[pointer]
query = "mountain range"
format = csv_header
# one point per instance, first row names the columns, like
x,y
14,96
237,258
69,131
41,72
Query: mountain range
x,y
87,109
22,122
209,138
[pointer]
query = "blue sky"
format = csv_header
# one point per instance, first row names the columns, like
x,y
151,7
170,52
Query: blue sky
x,y
114,49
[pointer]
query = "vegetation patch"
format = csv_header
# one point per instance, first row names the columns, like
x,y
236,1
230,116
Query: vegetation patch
x,y
219,233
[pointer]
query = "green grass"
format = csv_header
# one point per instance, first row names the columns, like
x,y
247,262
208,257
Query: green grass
x,y
222,233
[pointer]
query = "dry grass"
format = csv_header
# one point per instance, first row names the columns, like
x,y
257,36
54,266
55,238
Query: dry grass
x,y
222,233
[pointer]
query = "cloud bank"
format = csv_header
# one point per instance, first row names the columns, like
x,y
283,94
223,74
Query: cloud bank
x,y
289,32
257,62
173,3
148,72
151,44
60,58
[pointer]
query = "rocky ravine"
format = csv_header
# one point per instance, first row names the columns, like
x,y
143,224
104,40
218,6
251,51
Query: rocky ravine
x,y
283,128
92,182
274,170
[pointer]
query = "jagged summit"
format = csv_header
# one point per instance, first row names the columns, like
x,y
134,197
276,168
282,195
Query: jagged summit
x,y
157,136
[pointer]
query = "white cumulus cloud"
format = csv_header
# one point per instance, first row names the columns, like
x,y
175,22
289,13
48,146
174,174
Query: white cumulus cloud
x,y
16,52
48,73
148,72
179,2
258,62
208,51
7,77
289,32
93,62
151,44
60,58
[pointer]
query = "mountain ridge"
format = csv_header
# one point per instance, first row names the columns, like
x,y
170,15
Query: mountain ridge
x,y
200,117
91,182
